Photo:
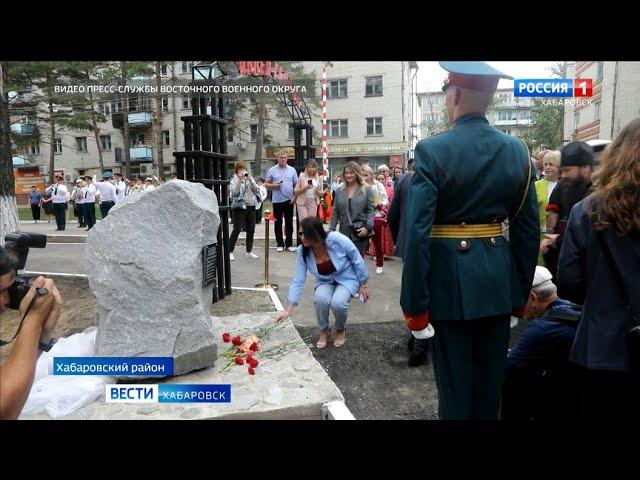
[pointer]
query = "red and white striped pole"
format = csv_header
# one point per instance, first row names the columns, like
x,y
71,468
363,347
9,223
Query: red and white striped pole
x,y
325,152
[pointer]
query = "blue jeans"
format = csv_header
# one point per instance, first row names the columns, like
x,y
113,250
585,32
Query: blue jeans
x,y
335,297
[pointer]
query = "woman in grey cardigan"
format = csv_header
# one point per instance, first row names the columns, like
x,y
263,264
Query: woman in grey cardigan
x,y
353,208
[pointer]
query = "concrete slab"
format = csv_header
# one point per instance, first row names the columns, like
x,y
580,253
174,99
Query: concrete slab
x,y
293,387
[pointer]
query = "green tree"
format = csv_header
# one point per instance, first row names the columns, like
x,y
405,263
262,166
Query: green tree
x,y
35,82
547,119
85,116
547,125
122,73
8,211
444,124
267,109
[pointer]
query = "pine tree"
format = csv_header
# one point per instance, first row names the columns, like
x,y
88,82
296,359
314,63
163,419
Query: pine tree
x,y
260,106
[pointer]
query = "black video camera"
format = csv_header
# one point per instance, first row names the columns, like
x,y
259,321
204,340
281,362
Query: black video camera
x,y
17,246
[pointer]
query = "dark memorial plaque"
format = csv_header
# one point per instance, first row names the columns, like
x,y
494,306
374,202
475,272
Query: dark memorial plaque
x,y
209,254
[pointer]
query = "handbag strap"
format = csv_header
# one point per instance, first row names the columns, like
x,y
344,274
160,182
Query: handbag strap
x,y
349,210
616,275
526,190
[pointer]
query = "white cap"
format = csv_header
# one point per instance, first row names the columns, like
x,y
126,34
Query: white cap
x,y
541,277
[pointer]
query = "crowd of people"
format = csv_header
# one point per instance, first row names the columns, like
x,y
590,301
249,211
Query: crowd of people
x,y
488,234
495,237
87,192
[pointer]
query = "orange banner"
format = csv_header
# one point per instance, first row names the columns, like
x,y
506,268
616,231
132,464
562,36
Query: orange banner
x,y
25,177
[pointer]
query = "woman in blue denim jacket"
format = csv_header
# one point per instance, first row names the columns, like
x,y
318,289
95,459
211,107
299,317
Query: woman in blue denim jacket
x,y
340,273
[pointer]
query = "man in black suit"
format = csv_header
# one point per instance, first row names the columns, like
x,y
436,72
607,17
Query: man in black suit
x,y
396,219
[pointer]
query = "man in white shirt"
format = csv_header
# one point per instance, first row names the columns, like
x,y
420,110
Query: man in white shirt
x,y
89,202
78,210
59,199
121,187
80,203
149,184
107,193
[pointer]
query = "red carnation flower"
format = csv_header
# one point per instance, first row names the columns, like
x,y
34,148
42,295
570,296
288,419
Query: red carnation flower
x,y
254,346
236,340
226,337
251,371
239,361
253,362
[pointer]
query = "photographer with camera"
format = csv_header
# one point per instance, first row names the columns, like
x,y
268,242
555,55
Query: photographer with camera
x,y
244,196
40,309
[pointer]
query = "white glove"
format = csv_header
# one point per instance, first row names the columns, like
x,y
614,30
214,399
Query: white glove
x,y
423,334
514,321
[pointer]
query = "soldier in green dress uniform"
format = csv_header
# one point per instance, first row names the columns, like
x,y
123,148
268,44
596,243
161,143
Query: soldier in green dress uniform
x,y
462,278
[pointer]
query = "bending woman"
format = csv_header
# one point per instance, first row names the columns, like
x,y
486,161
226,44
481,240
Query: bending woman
x,y
340,272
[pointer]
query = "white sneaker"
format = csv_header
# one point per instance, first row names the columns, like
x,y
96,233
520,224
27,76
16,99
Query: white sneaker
x,y
292,249
231,257
379,270
279,249
250,255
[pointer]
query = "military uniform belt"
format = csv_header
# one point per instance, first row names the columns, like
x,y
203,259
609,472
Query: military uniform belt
x,y
463,230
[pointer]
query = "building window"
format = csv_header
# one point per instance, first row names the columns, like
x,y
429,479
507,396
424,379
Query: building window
x,y
81,144
163,70
337,128
105,109
117,107
165,104
504,115
576,120
505,98
525,115
57,145
337,89
166,138
596,107
600,71
186,103
373,87
254,132
374,126
291,131
136,140
34,149
185,67
229,134
105,142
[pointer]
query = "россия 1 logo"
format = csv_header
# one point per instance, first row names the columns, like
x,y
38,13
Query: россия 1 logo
x,y
553,87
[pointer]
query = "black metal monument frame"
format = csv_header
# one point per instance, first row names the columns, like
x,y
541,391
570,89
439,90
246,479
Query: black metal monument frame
x,y
204,160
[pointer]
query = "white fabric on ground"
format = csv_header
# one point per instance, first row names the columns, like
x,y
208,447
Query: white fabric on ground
x,y
60,395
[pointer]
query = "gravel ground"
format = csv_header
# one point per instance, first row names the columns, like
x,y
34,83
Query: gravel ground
x,y
371,372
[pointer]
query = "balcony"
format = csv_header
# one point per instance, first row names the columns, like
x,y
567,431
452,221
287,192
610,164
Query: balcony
x,y
136,154
136,120
24,129
140,119
513,122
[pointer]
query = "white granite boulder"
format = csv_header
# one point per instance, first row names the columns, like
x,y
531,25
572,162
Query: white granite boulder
x,y
144,264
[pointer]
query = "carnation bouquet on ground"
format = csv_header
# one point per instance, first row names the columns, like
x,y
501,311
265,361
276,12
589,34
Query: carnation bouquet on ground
x,y
248,350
